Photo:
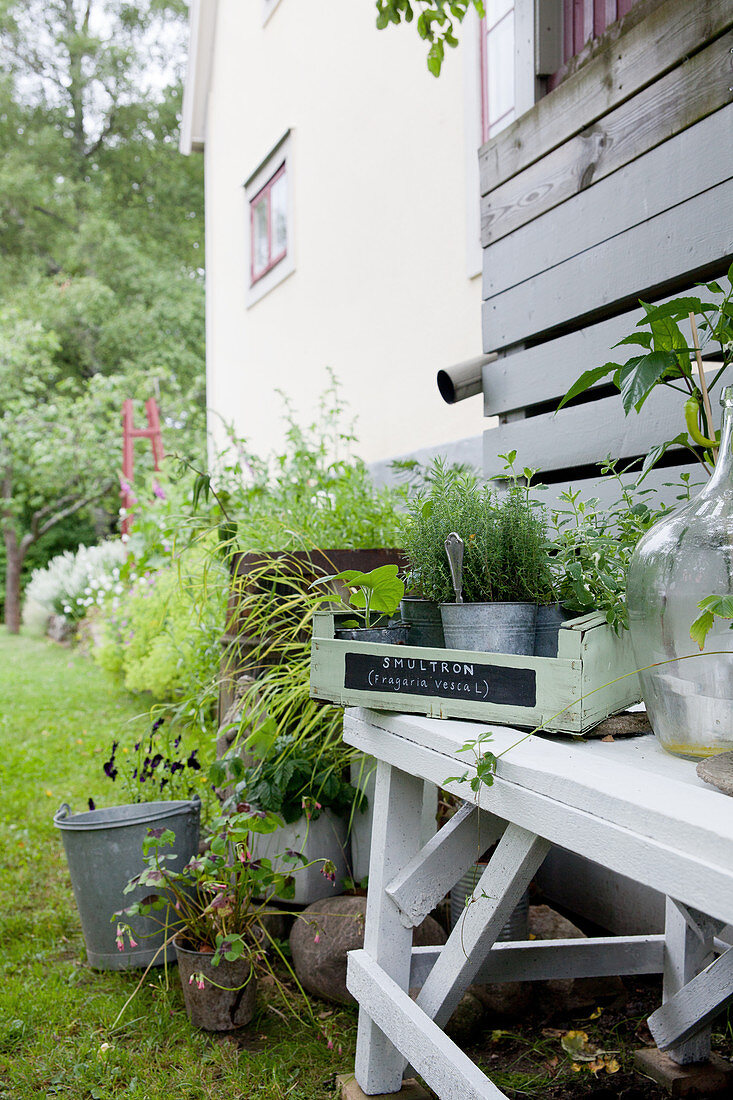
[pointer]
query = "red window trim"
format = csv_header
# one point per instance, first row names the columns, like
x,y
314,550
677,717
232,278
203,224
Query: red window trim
x,y
264,192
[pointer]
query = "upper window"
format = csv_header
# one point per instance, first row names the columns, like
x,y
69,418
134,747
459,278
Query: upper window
x,y
269,193
497,67
269,224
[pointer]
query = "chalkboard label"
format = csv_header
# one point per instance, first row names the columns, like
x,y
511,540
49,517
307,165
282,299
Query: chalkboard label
x,y
444,679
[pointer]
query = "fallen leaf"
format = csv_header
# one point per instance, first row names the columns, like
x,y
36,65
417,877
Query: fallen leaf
x,y
575,1043
608,737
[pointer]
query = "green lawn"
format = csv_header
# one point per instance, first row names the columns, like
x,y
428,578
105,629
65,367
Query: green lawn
x,y
58,715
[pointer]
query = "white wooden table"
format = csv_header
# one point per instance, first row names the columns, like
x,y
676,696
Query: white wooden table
x,y
626,804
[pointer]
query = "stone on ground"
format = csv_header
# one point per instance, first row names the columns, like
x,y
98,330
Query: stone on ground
x,y
326,931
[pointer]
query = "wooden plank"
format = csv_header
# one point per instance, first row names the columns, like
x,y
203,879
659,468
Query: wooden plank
x,y
395,839
557,683
654,47
508,874
544,372
688,950
681,1019
635,809
699,87
640,263
543,960
426,879
446,1069
671,173
582,434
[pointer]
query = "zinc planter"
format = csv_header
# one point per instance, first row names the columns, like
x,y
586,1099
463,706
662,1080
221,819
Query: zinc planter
x,y
104,851
550,618
212,1007
490,627
424,621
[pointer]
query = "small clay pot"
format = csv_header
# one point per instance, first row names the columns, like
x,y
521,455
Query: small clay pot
x,y
213,1008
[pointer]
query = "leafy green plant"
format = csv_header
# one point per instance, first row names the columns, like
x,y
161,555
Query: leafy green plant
x,y
505,546
286,780
163,637
380,590
592,545
670,359
217,902
436,21
278,720
314,493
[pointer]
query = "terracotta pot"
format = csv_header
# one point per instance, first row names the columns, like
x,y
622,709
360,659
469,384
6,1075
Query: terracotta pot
x,y
213,1008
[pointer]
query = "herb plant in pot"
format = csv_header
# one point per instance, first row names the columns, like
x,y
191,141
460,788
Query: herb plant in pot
x,y
374,596
214,912
505,566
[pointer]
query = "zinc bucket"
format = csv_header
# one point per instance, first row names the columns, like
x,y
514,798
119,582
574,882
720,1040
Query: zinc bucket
x,y
104,850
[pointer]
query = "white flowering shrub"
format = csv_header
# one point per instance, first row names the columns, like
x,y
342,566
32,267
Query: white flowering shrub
x,y
73,582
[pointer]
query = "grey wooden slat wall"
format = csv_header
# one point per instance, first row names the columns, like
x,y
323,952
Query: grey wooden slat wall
x,y
616,187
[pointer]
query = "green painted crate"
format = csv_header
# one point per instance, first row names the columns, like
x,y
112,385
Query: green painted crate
x,y
592,677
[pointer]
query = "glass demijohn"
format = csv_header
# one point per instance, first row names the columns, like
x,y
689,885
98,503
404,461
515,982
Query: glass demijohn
x,y
685,557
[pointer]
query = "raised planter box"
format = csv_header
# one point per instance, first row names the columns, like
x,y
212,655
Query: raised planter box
x,y
592,677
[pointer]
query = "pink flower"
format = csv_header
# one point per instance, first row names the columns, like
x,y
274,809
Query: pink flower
x,y
317,937
158,491
133,943
329,1044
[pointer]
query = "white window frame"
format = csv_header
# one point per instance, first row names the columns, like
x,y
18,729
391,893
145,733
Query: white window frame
x,y
268,7
281,153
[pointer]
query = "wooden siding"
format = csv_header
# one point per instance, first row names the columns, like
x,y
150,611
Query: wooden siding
x,y
622,67
616,187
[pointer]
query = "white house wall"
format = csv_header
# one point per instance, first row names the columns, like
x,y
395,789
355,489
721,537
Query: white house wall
x,y
380,291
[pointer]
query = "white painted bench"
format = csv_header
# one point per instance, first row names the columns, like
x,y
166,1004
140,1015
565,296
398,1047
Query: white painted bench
x,y
626,805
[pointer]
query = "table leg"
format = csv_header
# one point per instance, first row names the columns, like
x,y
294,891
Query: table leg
x,y
688,950
395,839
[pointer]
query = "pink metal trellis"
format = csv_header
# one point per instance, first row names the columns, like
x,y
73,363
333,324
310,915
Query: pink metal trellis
x,y
129,434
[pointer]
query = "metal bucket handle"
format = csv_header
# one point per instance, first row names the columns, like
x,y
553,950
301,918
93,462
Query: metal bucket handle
x,y
63,811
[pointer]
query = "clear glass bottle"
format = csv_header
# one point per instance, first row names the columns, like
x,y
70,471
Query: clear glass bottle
x,y
683,558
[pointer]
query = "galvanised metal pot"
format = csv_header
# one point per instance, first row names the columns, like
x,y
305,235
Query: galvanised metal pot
x,y
490,627
377,635
104,850
550,618
424,621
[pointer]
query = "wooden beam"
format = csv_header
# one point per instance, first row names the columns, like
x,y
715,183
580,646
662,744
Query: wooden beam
x,y
543,960
395,838
518,855
595,428
546,371
682,1018
650,49
640,263
428,877
445,1068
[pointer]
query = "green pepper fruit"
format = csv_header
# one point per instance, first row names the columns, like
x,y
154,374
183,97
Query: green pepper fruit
x,y
692,409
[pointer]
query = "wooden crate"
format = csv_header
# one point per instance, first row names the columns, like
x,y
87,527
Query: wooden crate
x,y
592,677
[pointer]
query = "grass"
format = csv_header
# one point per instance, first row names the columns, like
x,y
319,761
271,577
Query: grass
x,y
58,716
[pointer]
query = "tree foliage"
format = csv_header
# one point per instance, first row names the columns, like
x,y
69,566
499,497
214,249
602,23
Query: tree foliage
x,y
436,22
101,246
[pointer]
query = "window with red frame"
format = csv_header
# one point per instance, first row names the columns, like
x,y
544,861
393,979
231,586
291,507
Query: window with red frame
x,y
269,224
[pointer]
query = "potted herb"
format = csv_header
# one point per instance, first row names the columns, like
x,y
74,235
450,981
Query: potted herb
x,y
374,597
214,912
505,568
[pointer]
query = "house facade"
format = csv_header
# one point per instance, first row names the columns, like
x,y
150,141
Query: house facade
x,y
342,216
